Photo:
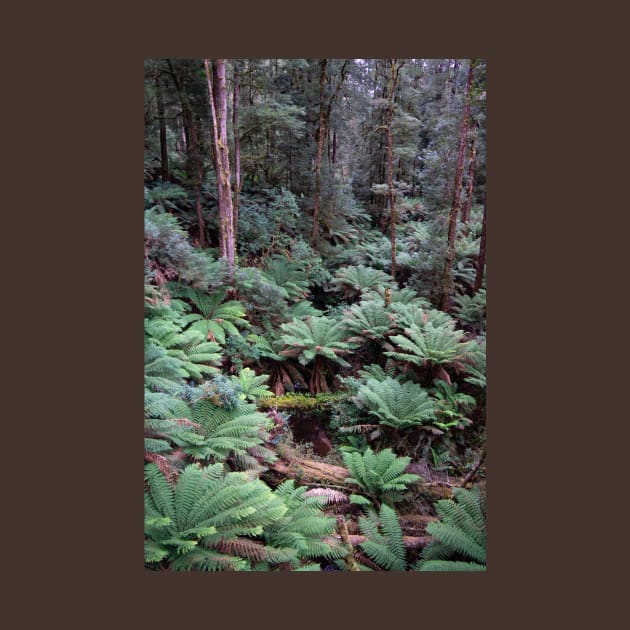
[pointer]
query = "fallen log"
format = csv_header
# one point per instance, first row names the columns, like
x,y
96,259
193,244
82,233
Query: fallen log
x,y
310,470
411,542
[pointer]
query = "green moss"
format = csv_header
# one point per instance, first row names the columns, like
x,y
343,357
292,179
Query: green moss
x,y
301,401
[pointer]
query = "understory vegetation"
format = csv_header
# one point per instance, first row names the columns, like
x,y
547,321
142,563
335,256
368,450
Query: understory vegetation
x,y
314,315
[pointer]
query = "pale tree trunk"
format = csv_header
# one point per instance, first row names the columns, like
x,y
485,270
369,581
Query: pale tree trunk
x,y
218,105
481,259
457,193
237,145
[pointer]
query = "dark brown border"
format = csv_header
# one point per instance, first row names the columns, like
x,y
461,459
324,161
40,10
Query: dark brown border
x,y
79,159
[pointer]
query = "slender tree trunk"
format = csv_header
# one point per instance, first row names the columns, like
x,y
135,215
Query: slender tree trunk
x,y
481,259
457,193
194,167
470,181
198,181
218,105
320,149
394,72
163,143
237,145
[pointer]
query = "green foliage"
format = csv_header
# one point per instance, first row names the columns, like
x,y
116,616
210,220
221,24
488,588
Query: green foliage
x,y
451,405
189,347
202,522
216,317
432,343
477,371
253,387
460,534
288,276
397,405
369,320
304,526
284,375
268,222
471,310
380,476
316,339
385,544
355,280
239,431
263,299
316,336
169,255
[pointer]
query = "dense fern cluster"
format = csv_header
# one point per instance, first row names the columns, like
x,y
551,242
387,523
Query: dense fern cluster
x,y
330,324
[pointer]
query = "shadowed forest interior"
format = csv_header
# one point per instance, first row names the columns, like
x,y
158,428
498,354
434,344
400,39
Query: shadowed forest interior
x,y
315,314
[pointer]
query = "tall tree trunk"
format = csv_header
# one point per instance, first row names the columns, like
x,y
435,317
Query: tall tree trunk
x,y
218,105
470,181
194,167
481,259
198,181
394,72
163,144
457,193
237,144
320,149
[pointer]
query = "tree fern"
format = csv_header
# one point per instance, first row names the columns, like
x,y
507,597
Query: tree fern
x,y
355,280
369,320
380,476
395,404
230,431
197,524
216,317
189,346
460,534
431,345
316,339
288,276
284,374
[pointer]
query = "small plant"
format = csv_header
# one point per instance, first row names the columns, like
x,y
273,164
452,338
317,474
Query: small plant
x,y
385,544
253,387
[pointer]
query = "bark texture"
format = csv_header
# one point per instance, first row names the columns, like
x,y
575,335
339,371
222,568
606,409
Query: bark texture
x,y
215,74
457,193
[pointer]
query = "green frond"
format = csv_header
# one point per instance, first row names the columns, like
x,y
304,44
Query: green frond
x,y
395,404
380,473
386,549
